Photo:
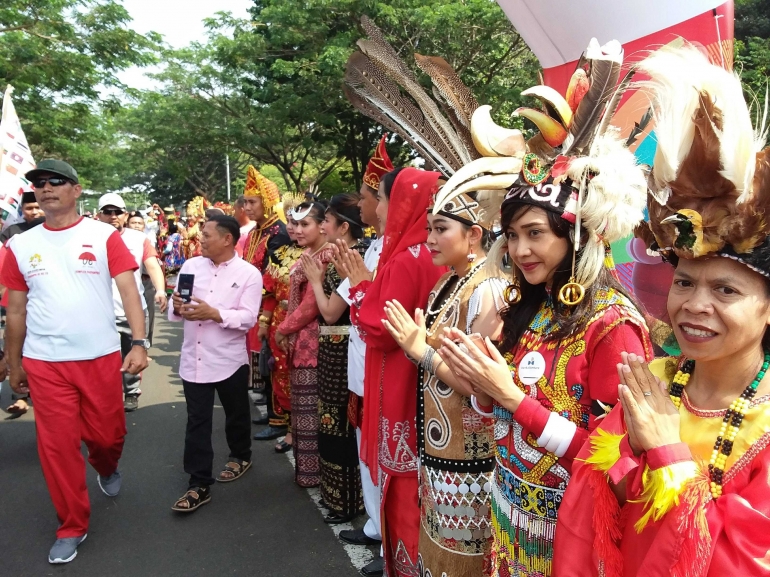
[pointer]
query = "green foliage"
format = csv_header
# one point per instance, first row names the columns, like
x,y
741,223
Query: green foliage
x,y
61,56
269,89
752,19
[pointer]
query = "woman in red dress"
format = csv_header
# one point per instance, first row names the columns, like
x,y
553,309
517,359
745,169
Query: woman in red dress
x,y
405,273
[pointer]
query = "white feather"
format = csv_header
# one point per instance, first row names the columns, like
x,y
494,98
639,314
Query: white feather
x,y
678,77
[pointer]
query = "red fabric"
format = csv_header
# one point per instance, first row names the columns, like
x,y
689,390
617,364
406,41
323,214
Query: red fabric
x,y
400,525
149,250
410,198
405,273
532,415
589,376
738,523
390,382
302,318
119,258
11,276
74,401
49,227
668,455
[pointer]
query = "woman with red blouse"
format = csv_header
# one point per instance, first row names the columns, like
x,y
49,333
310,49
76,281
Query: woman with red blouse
x,y
298,334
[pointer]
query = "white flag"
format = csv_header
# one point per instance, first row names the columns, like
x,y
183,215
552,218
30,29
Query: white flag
x,y
16,160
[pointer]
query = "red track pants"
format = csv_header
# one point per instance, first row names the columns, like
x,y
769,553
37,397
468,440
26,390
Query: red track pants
x,y
74,401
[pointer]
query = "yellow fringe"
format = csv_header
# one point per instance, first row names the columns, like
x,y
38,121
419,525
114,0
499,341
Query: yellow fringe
x,y
662,489
605,450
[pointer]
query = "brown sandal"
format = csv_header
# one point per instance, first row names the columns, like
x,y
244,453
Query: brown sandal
x,y
233,470
194,497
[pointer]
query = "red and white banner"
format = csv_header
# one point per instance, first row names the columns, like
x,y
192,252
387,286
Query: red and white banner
x,y
15,161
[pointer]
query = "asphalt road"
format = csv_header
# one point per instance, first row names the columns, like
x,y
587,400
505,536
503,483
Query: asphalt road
x,y
262,524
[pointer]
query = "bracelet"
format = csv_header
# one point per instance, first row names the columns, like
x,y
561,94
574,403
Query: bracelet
x,y
264,319
426,362
478,409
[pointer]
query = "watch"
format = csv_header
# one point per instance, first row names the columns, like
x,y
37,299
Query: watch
x,y
144,343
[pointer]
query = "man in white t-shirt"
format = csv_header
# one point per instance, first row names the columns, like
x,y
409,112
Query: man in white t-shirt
x,y
112,211
62,346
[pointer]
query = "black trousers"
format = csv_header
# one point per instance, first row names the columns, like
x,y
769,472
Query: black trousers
x,y
234,395
149,298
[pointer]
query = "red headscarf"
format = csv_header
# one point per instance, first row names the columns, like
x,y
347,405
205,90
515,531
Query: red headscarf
x,y
411,196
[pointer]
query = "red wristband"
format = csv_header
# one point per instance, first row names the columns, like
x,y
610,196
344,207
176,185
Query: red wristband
x,y
660,457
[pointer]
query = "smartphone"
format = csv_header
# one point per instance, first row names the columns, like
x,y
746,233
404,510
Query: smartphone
x,y
480,343
184,286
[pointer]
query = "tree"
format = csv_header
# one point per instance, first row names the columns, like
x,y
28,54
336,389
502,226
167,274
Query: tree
x,y
62,57
270,89
752,46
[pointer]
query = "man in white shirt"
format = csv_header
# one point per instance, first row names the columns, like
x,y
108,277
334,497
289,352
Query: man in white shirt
x,y
61,344
112,211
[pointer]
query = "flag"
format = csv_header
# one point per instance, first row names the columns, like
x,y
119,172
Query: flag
x,y
16,160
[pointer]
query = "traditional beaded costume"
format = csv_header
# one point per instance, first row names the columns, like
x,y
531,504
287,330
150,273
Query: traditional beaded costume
x,y
699,507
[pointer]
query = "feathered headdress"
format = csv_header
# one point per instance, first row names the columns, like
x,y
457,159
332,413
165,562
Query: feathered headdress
x,y
381,86
291,200
258,185
577,166
710,185
379,165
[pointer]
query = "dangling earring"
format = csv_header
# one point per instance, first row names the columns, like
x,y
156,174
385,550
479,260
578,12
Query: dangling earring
x,y
471,256
512,293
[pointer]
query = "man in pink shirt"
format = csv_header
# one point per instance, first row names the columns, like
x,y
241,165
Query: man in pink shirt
x,y
227,294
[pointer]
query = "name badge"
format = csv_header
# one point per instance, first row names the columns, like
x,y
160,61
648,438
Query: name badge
x,y
531,368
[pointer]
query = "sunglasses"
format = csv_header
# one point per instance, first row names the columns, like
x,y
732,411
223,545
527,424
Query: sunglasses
x,y
53,181
112,211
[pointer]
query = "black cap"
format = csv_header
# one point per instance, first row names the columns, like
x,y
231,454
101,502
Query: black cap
x,y
53,166
28,197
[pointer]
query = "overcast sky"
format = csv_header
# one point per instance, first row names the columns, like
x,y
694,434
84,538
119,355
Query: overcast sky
x,y
179,21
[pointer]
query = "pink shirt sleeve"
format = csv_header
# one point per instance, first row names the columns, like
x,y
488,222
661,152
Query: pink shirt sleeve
x,y
10,275
119,258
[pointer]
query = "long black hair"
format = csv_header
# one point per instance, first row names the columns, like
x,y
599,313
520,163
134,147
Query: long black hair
x,y
517,317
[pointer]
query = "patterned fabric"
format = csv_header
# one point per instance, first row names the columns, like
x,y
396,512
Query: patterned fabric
x,y
530,481
340,474
304,426
276,280
172,252
301,323
455,443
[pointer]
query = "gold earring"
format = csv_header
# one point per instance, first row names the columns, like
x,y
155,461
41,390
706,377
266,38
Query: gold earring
x,y
512,293
572,293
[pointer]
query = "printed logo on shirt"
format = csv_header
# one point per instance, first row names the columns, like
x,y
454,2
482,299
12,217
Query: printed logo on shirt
x,y
87,260
36,266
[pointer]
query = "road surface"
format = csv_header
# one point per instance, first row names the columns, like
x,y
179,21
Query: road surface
x,y
263,524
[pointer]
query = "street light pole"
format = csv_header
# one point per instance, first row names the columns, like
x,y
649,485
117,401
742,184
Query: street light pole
x,y
227,164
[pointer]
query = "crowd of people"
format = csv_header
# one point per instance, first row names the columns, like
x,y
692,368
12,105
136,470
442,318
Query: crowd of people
x,y
473,377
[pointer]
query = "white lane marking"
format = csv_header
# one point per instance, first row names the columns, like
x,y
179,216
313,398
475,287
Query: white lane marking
x,y
359,555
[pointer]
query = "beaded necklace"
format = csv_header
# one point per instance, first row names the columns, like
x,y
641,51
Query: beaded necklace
x,y
432,315
730,423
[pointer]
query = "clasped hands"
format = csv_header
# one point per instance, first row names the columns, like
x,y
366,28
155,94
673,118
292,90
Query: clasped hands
x,y
349,264
651,417
196,310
